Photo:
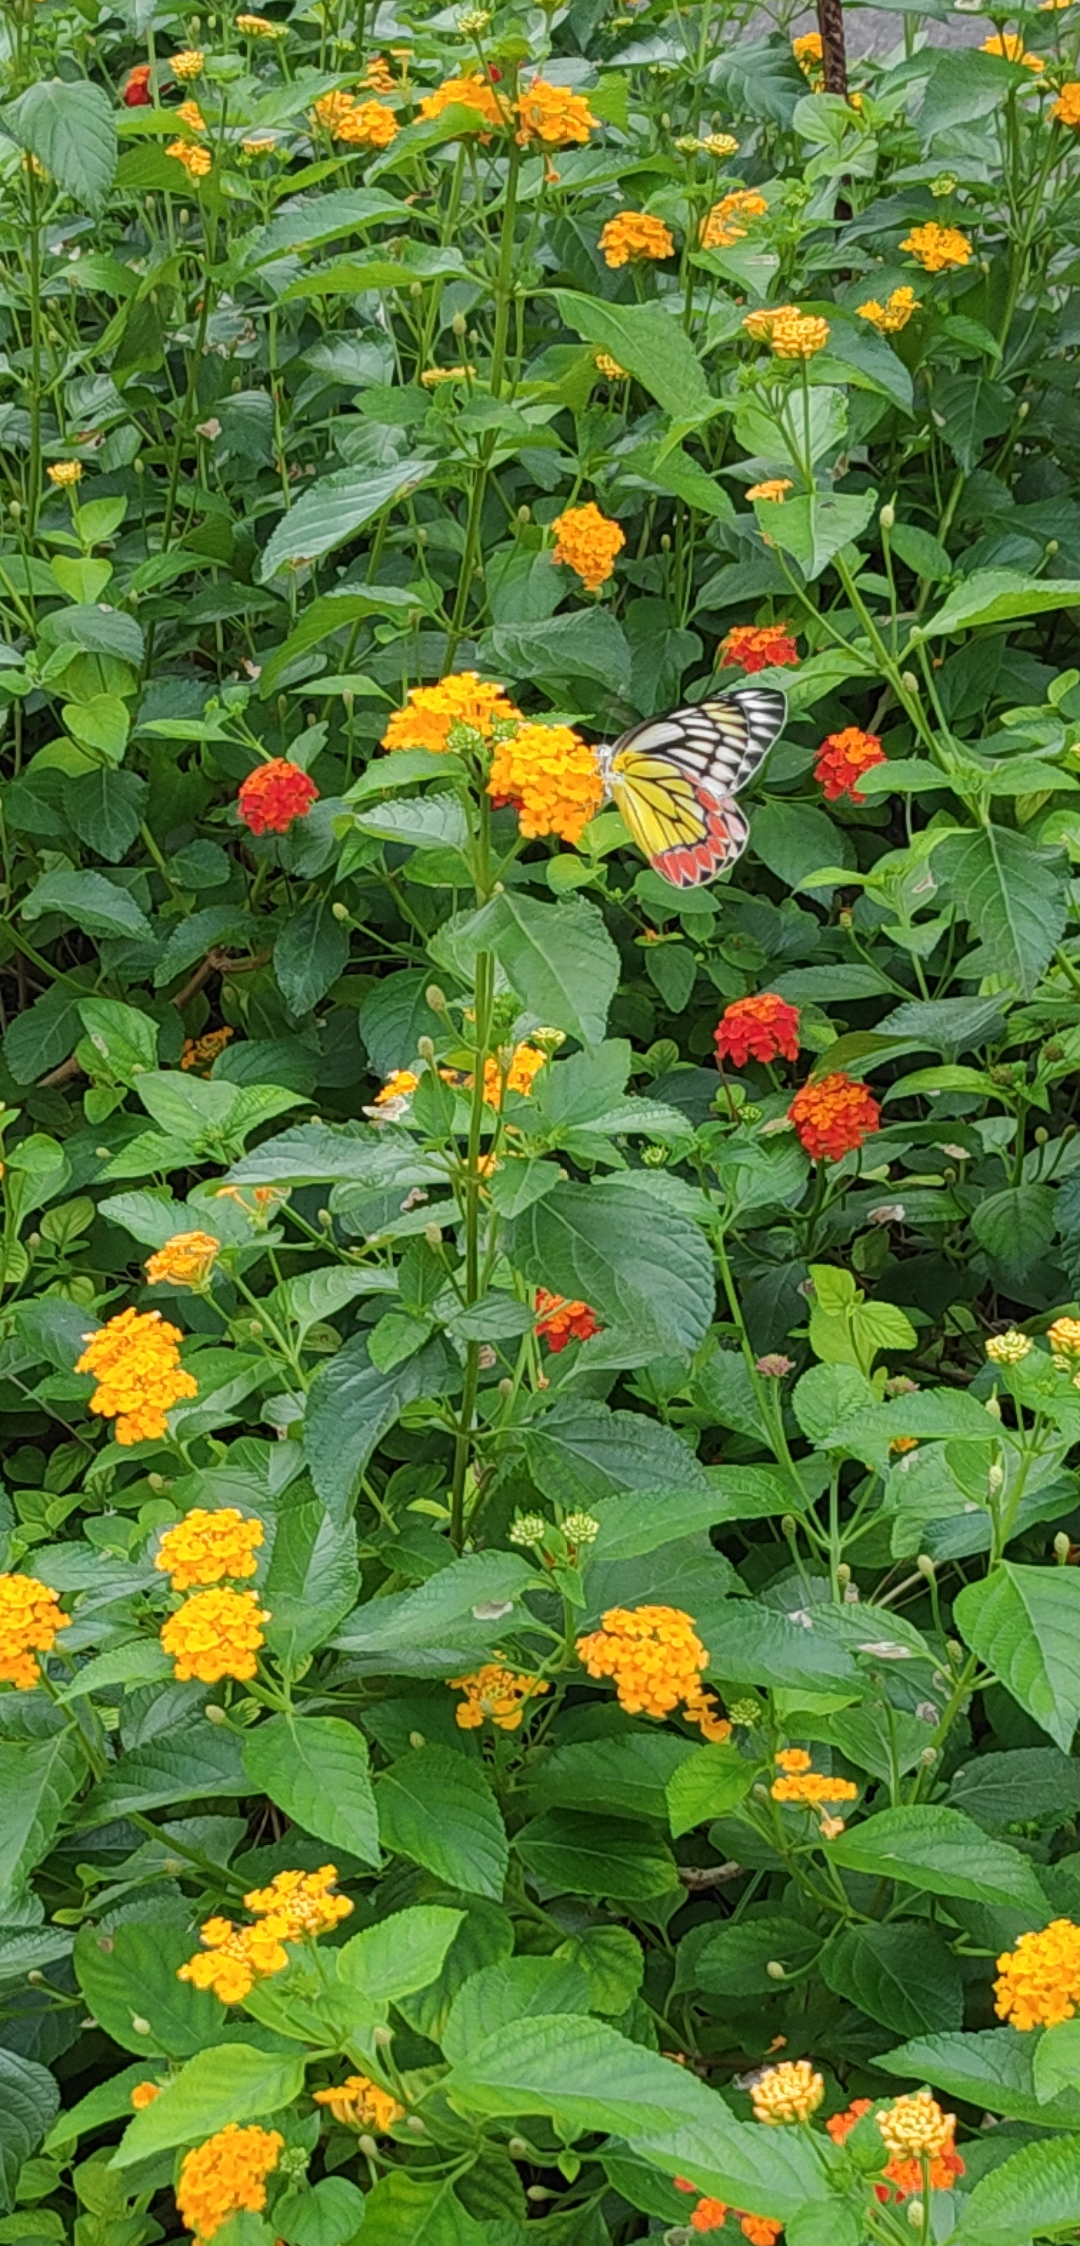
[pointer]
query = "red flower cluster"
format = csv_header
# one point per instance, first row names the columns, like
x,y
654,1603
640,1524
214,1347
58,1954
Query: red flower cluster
x,y
712,2214
843,758
137,94
833,1116
761,1028
758,647
560,1321
274,795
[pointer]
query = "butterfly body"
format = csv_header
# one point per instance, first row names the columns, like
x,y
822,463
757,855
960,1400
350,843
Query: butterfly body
x,y
674,779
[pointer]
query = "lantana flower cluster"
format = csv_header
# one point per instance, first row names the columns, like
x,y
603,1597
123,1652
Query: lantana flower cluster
x,y
295,1907
655,1658
496,1694
226,2176
30,1622
135,1359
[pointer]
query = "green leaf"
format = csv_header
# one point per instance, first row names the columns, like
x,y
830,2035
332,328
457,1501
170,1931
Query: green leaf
x,y
795,840
334,509
310,953
70,126
106,808
1037,2190
89,901
37,1782
313,1580
400,1954
1057,2059
753,1644
129,1975
1012,893
650,343
419,822
625,1776
813,529
315,1768
904,1975
587,1854
559,959
583,1452
944,1853
328,2213
709,1782
333,612
1028,1785
203,1762
406,2210
999,596
320,218
517,1989
1024,1622
993,2069
834,2225
650,1276
588,643
107,2101
963,88
734,1960
926,555
44,1034
28,2101
438,1809
231,2082
351,1406
432,1614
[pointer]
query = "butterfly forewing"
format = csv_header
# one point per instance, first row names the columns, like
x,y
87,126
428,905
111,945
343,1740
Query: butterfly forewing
x,y
673,778
721,742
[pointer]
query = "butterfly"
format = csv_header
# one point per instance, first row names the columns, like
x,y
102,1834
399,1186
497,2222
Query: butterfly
x,y
674,779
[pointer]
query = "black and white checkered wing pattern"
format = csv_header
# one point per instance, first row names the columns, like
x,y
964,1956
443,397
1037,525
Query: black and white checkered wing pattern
x,y
718,744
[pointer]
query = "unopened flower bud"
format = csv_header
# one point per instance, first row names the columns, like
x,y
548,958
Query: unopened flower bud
x,y
915,2213
926,1566
887,517
433,1235
140,2026
157,1483
538,2192
928,1757
775,1970
435,998
425,1048
417,1739
518,2149
954,1650
213,1713
459,323
789,1525
35,1977
367,2146
414,2121
340,911
909,682
1061,1548
382,2037
843,1572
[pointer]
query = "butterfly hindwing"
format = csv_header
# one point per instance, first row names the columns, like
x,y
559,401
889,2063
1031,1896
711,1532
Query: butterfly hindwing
x,y
673,778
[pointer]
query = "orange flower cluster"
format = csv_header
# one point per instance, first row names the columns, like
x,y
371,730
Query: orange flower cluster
x,y
206,1547
216,1634
634,235
197,162
367,124
471,92
904,2174
606,365
202,1052
497,1692
226,2175
260,27
551,776
712,2214
761,1028
894,314
1011,48
144,2094
790,334
187,1259
553,115
359,2103
775,488
843,758
787,2093
833,1116
757,647
1038,1983
432,711
809,1787
191,115
655,1658
135,1359
296,1907
588,542
525,1063
274,795
728,219
30,1618
378,77
1066,109
559,1321
399,1086
938,249
809,53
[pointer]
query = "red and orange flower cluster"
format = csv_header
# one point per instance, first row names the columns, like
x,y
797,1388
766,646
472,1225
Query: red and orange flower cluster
x,y
274,795
712,2214
833,1116
761,1028
559,1321
915,2131
757,647
843,758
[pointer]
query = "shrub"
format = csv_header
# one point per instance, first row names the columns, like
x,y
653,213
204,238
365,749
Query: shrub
x,y
539,1633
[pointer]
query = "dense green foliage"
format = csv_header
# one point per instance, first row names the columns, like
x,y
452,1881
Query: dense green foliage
x,y
782,1420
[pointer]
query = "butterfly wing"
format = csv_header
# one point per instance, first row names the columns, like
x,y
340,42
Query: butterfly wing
x,y
672,779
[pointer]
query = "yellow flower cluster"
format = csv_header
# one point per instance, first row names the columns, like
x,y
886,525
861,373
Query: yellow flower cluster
x,y
195,160
553,778
399,1085
588,542
634,235
655,1657
29,1620
516,1075
1038,1983
802,1784
552,115
191,115
202,1052
894,314
1066,109
471,92
65,473
187,1259
1009,1348
378,77
260,27
790,2092
809,53
205,1547
1011,48
188,63
938,249
359,2103
790,334
497,1692
296,1907
729,218
775,488
144,2095
433,376
431,711
914,2127
216,1634
226,2175
1064,1339
135,1359
367,124
605,364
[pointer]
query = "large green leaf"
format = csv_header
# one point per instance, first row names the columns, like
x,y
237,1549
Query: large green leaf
x,y
583,1853
90,901
439,1810
70,126
309,954
431,1615
999,596
1024,1622
650,1276
352,1405
408,2210
993,2069
1036,2191
559,958
942,1852
334,509
813,529
316,1769
1012,893
129,1979
400,1954
230,2082
28,2102
649,342
37,1782
584,1452
903,1975
183,1766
